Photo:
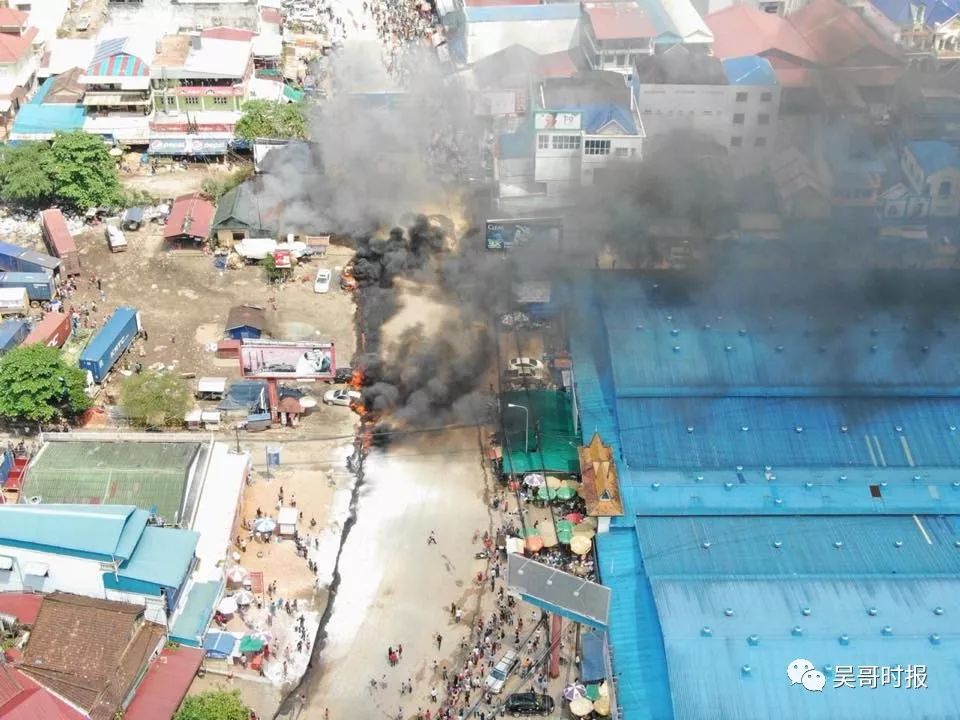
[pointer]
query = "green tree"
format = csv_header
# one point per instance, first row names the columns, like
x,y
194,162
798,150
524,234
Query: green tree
x,y
38,385
26,176
267,119
84,174
269,265
154,399
213,705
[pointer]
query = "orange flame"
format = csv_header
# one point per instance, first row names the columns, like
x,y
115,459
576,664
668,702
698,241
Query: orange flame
x,y
356,380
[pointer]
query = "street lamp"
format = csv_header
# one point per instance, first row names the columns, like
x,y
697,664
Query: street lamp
x,y
526,434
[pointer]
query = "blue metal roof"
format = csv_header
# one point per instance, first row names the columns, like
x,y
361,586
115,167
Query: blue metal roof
x,y
522,13
749,70
163,556
901,12
48,119
596,116
673,547
934,155
108,531
190,625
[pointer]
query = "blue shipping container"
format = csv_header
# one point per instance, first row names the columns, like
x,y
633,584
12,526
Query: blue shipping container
x,y
110,343
14,258
12,334
40,286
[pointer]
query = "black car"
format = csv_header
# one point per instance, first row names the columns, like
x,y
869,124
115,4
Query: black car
x,y
529,704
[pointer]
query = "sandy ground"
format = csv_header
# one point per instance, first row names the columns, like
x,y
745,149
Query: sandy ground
x,y
172,180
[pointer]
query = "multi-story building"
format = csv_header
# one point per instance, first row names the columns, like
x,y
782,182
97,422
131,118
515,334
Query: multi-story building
x,y
733,102
614,35
117,92
18,60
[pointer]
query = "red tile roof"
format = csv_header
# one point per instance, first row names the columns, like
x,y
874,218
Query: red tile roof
x,y
271,15
165,684
741,30
620,21
9,687
558,65
14,47
191,215
35,702
23,606
222,32
9,17
836,32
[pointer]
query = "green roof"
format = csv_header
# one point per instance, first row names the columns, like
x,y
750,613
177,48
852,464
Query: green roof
x,y
163,556
108,531
149,475
553,440
240,208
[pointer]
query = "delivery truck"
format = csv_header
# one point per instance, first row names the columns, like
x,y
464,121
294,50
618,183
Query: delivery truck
x,y
12,333
40,287
117,334
59,240
14,258
52,331
14,301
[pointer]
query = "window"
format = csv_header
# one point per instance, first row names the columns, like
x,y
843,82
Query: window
x,y
763,119
621,152
543,142
760,142
191,101
736,141
766,96
875,491
220,100
945,188
596,147
742,96
566,142
738,118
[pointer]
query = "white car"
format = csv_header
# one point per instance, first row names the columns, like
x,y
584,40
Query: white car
x,y
321,283
525,362
501,671
341,397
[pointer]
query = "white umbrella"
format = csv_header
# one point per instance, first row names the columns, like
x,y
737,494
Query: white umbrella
x,y
244,597
580,544
264,525
236,574
515,545
534,480
580,706
573,691
553,482
227,606
602,705
307,402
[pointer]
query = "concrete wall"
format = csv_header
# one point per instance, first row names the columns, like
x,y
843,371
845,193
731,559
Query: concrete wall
x,y
541,36
67,573
171,16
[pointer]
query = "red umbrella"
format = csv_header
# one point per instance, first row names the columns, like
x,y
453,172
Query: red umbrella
x,y
534,543
574,517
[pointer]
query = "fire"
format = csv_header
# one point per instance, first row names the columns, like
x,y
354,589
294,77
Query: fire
x,y
347,281
356,380
359,408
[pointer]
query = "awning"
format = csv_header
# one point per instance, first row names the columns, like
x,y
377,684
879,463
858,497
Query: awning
x,y
591,656
288,516
210,416
212,384
6,562
219,645
249,644
36,569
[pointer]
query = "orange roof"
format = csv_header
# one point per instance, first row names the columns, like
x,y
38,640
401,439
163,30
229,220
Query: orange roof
x,y
222,32
599,486
620,21
13,47
836,32
271,16
741,30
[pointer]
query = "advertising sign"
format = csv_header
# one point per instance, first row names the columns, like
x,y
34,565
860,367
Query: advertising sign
x,y
548,120
305,360
544,233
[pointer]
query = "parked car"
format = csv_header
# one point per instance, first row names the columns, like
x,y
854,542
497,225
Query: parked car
x,y
525,362
341,397
529,704
321,283
501,671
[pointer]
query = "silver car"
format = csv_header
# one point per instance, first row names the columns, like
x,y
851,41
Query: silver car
x,y
501,671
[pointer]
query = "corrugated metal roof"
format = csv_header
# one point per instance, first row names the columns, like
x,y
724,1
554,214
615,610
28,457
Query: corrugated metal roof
x,y
749,70
746,546
99,530
162,556
522,13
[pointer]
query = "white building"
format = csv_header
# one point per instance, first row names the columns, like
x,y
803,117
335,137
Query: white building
x,y
101,551
615,35
541,28
734,103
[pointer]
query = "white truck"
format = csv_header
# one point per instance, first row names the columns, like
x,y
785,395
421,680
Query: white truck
x,y
14,301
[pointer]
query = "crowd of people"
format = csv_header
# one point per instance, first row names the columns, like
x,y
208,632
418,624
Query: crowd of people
x,y
402,27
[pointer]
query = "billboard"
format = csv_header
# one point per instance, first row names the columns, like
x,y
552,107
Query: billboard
x,y
544,233
548,120
274,359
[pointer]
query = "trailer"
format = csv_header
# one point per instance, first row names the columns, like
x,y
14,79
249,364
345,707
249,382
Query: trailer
x,y
117,334
14,301
59,241
116,240
52,331
40,287
14,258
12,333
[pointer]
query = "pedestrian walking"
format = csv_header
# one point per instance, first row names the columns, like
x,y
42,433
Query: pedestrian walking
x,y
432,539
433,694
439,640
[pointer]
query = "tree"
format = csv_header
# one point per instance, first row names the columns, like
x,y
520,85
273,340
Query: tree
x,y
213,705
269,265
267,119
39,386
154,399
26,176
84,173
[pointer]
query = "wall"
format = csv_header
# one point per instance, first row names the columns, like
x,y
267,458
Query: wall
x,y
169,17
67,573
948,206
541,36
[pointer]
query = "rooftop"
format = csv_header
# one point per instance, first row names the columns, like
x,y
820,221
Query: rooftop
x,y
108,532
21,698
191,215
120,57
246,316
15,47
522,13
619,21
595,87
544,442
165,684
836,32
150,475
680,68
749,70
934,155
163,556
741,30
22,606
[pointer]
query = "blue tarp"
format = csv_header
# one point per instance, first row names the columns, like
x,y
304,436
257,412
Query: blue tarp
x,y
591,657
219,645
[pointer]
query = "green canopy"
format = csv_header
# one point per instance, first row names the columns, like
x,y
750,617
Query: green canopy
x,y
564,531
593,692
292,94
249,644
546,493
565,492
530,532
